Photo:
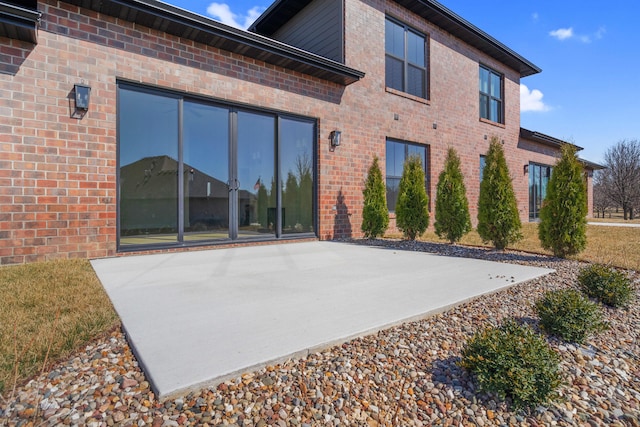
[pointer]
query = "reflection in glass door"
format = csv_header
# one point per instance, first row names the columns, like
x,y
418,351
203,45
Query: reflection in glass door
x,y
206,171
148,127
257,191
192,171
539,176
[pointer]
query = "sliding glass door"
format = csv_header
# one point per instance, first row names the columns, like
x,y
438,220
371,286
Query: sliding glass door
x,y
539,176
257,193
148,130
206,170
193,171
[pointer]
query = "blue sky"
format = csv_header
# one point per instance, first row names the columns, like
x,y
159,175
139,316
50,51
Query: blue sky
x,y
589,89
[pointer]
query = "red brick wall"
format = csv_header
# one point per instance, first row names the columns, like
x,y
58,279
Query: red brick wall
x,y
452,105
58,174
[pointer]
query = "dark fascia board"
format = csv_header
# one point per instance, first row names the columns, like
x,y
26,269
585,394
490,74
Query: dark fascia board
x,y
591,165
282,11
182,23
276,15
545,139
19,22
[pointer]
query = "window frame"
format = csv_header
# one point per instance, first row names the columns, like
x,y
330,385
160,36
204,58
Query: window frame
x,y
406,63
233,109
425,166
489,96
534,208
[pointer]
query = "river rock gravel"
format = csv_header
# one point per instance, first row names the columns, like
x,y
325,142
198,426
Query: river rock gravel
x,y
403,376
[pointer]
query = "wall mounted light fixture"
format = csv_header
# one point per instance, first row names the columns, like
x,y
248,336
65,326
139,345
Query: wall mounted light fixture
x,y
526,169
82,98
335,136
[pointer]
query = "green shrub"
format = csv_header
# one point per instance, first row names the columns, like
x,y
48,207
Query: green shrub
x,y
498,217
569,315
563,216
375,215
452,208
412,215
607,285
513,361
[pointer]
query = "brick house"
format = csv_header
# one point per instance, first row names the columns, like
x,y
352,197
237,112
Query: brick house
x,y
131,126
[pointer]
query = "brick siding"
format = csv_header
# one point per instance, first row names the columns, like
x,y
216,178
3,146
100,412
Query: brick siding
x,y
58,195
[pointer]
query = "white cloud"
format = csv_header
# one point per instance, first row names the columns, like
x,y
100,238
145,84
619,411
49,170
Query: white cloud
x,y
222,12
535,16
584,39
568,33
531,100
562,33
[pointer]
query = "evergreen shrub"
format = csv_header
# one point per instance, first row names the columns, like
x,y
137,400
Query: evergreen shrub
x,y
513,362
452,208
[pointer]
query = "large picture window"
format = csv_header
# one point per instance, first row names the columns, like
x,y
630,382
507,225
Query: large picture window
x,y
194,171
539,176
396,154
405,61
491,105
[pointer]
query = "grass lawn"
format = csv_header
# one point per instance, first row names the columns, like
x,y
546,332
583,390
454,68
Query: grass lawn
x,y
49,310
616,246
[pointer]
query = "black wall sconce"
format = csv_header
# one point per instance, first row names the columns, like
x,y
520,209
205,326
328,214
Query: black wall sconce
x,y
82,98
335,137
526,169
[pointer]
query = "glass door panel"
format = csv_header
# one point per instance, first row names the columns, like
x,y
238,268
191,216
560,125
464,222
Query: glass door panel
x,y
148,126
257,192
206,171
296,175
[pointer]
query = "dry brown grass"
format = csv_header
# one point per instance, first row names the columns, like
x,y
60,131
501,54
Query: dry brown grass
x,y
615,219
612,216
59,305
616,246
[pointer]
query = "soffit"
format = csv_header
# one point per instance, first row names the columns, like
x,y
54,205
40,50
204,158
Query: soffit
x,y
17,22
281,11
179,22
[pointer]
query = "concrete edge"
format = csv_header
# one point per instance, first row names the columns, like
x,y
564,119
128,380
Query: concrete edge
x,y
214,382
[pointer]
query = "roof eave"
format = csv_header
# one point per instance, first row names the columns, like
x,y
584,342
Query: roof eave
x,y
545,139
591,165
469,33
19,23
182,23
282,10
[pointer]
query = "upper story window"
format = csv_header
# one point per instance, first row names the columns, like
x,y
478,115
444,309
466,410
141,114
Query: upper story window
x,y
491,103
405,61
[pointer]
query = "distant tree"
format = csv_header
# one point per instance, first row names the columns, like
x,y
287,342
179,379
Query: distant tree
x,y
498,218
375,215
305,180
452,208
290,201
622,176
601,199
412,214
263,204
563,216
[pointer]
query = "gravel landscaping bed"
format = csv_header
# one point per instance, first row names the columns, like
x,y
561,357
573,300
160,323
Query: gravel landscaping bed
x,y
403,376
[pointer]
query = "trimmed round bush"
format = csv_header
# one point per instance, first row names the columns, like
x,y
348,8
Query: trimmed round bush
x,y
513,362
568,315
607,285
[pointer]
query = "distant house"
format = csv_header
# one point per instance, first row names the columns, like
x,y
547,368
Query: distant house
x,y
133,125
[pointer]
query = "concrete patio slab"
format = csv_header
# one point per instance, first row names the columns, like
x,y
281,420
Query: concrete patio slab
x,y
195,319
